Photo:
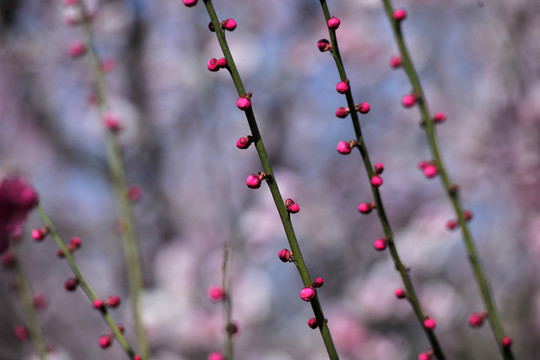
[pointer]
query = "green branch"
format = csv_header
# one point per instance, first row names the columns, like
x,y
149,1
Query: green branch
x,y
451,190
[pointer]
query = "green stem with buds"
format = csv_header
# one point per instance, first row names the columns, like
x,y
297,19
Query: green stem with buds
x,y
83,283
272,184
400,267
451,190
117,172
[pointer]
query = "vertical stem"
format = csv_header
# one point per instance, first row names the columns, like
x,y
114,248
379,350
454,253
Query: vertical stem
x,y
227,304
83,283
117,172
385,223
451,190
272,184
28,305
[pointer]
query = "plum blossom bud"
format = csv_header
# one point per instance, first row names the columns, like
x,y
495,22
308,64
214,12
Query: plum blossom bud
x,y
216,294
318,283
344,148
113,301
395,61
379,168
376,181
506,342
451,224
363,108
324,45
229,24
292,207
105,341
365,208
439,118
212,65
244,142
430,171
333,23
244,102
222,62
400,293
430,324
307,293
400,15
425,356
190,3
408,100
312,323
342,112
77,49
342,87
379,244
476,319
285,255
253,181
216,356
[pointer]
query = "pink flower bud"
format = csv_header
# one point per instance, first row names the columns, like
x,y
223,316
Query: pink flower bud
x,y
312,323
506,341
363,108
451,224
77,49
379,168
408,100
400,14
40,301
333,23
376,181
222,62
229,24
211,27
344,148
439,117
318,283
212,65
379,244
422,164
111,122
113,301
467,215
324,45
71,284
190,3
342,87
307,294
284,255
253,181
75,242
137,357
424,356
134,193
21,332
244,142
39,234
97,304
430,324
400,293
105,341
365,208
243,103
216,356
292,207
476,319
216,294
342,112
430,171
395,61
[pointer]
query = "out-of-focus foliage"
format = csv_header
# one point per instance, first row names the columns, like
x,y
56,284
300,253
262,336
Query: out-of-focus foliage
x,y
478,62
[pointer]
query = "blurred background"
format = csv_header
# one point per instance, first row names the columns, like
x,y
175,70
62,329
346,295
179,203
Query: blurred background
x,y
478,62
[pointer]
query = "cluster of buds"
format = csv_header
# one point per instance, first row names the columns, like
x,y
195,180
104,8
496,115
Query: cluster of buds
x,y
428,168
227,24
244,101
292,207
74,244
244,142
112,301
253,181
308,293
453,224
40,234
215,64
